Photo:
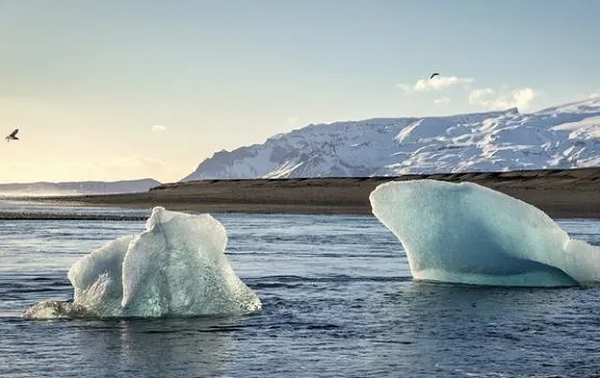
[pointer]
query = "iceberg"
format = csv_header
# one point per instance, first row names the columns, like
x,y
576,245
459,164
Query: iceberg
x,y
468,234
176,267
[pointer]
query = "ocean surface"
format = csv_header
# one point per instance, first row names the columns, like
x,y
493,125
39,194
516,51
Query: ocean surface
x,y
338,301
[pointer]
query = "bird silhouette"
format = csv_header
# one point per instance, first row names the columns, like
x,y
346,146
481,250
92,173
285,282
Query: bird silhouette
x,y
433,75
12,136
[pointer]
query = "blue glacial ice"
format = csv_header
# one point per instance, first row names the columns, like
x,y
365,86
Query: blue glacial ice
x,y
465,233
176,267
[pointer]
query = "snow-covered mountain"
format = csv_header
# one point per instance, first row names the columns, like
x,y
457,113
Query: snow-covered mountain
x,y
77,188
565,136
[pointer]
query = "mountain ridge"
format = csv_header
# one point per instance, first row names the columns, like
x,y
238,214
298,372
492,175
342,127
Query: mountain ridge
x,y
560,137
46,188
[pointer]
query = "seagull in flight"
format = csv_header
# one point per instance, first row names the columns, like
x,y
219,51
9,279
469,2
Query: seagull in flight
x,y
12,136
434,75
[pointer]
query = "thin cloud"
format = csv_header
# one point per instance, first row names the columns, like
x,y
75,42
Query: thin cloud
x,y
488,98
440,82
158,128
435,84
480,96
405,87
441,101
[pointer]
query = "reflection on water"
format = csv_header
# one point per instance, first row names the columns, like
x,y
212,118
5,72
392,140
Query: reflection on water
x,y
494,330
162,348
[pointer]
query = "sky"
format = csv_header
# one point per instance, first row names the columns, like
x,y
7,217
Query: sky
x,y
113,90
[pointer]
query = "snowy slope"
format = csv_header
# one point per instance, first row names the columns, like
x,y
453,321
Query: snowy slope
x,y
559,137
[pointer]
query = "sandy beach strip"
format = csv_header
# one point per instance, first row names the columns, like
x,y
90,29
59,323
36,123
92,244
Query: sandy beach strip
x,y
573,193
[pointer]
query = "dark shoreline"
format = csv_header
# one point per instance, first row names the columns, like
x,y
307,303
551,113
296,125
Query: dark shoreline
x,y
14,216
573,193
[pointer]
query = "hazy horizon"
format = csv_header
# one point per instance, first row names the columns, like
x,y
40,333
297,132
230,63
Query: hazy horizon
x,y
121,91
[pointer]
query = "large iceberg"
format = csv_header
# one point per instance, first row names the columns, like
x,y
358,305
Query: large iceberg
x,y
469,234
176,267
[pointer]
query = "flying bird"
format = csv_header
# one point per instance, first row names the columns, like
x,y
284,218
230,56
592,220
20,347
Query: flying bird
x,y
434,75
12,136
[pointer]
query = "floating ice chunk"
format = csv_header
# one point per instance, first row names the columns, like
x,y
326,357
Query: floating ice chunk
x,y
176,267
97,278
466,233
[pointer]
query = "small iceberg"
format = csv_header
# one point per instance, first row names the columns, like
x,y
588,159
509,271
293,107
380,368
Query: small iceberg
x,y
176,267
468,234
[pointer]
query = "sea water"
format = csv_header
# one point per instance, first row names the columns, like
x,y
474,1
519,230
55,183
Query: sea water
x,y
338,301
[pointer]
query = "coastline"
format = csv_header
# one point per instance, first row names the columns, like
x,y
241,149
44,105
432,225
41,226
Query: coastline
x,y
572,193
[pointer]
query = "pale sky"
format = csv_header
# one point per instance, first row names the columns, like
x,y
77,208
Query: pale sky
x,y
109,90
